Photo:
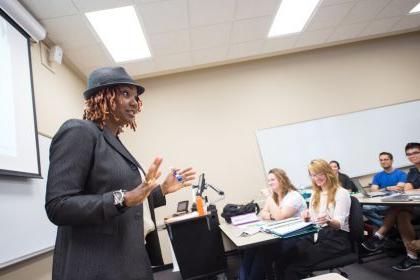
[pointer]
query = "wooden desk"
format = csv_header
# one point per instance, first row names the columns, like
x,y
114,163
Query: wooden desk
x,y
260,238
378,200
257,239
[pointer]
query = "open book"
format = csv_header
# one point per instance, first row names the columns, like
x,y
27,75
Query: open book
x,y
289,227
284,228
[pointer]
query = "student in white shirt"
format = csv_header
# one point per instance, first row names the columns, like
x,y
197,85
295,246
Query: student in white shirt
x,y
329,208
285,202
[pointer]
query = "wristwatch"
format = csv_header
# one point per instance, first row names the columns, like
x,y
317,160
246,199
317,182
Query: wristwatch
x,y
119,199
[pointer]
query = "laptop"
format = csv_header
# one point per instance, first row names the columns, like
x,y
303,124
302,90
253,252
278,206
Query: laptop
x,y
415,197
362,190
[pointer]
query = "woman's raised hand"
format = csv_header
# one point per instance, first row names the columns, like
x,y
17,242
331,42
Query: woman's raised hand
x,y
177,179
142,191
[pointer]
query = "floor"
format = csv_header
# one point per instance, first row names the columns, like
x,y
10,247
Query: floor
x,y
375,268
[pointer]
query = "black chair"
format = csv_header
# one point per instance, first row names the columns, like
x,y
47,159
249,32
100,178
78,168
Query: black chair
x,y
356,238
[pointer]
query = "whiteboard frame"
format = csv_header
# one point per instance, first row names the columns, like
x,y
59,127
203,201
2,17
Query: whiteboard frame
x,y
50,239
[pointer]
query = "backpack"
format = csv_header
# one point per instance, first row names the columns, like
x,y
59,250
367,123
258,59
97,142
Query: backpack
x,y
231,210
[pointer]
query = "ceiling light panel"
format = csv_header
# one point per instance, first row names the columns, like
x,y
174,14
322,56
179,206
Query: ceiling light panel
x,y
292,16
416,9
121,32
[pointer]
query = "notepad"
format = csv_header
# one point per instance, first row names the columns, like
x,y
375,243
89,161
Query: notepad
x,y
244,219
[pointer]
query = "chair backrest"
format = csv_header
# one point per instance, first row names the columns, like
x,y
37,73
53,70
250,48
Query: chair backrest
x,y
356,237
356,225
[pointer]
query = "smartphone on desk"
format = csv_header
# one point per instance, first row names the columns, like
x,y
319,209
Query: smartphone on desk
x,y
181,209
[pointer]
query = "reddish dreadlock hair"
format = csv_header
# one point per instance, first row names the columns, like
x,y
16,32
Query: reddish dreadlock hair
x,y
102,105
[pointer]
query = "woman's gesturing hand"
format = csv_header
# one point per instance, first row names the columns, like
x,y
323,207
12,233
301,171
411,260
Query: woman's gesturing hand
x,y
173,184
142,191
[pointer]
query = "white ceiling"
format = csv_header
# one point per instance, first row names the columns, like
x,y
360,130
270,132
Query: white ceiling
x,y
191,34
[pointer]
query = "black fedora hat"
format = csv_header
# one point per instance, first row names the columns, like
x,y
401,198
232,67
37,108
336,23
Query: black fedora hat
x,y
106,77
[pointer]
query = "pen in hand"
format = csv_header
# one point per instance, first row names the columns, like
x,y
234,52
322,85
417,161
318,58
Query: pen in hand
x,y
177,176
323,219
305,216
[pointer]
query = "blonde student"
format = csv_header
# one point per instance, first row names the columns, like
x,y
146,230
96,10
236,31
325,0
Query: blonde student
x,y
329,208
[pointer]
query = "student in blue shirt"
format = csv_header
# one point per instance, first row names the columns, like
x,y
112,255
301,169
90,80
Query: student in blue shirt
x,y
390,179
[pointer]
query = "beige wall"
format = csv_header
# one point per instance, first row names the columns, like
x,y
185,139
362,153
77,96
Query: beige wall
x,y
58,94
208,118
57,98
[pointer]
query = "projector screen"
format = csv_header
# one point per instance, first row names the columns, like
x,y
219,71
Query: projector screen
x,y
19,154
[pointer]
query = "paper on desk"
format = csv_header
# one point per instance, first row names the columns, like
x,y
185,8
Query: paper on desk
x,y
251,228
250,231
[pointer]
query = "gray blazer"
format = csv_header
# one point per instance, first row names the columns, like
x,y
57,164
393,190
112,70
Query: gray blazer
x,y
94,240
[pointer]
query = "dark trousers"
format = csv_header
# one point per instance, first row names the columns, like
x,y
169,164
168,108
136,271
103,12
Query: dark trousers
x,y
331,243
257,263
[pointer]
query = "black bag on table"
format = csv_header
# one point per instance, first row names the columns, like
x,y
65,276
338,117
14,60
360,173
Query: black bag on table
x,y
231,210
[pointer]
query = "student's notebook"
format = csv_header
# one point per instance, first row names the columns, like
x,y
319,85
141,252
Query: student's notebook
x,y
293,228
304,231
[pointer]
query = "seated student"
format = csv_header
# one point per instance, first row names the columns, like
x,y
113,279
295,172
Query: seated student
x,y
285,202
345,181
329,208
402,216
390,179
406,215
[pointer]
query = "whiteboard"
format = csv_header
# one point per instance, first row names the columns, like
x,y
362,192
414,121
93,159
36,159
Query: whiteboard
x,y
354,140
25,228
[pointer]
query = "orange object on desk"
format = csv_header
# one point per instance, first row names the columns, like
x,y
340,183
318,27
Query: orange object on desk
x,y
200,205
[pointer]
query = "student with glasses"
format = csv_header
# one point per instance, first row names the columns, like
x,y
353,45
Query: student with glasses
x,y
329,207
402,217
407,214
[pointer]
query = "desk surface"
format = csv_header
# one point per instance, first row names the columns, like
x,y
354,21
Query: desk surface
x,y
182,218
328,276
378,200
257,239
